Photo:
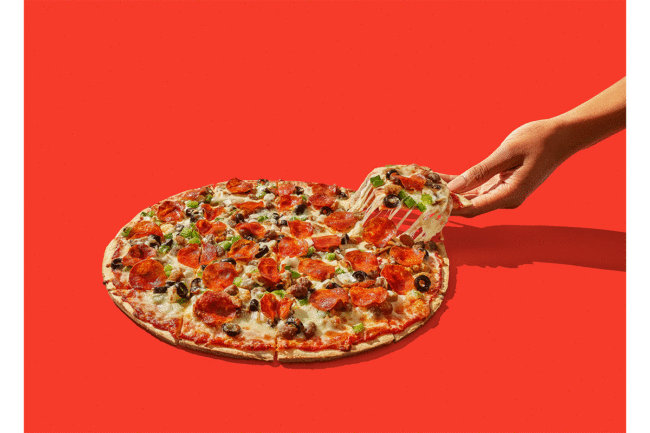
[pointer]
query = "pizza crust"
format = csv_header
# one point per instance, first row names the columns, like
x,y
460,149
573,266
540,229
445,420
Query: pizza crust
x,y
381,340
161,334
298,355
262,355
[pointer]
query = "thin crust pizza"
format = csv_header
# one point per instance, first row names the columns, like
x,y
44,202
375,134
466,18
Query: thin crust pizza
x,y
295,270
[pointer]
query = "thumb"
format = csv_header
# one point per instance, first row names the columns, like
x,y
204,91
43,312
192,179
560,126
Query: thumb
x,y
476,176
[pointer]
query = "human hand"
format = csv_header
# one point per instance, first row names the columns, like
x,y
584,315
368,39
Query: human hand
x,y
531,152
514,170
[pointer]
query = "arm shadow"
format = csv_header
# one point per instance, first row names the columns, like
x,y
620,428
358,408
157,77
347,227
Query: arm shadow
x,y
511,246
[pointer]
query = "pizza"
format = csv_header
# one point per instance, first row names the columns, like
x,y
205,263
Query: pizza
x,y
300,271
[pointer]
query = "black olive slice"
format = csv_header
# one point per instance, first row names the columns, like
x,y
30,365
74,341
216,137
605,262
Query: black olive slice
x,y
391,201
360,275
342,195
325,210
239,218
299,190
422,283
160,289
262,252
229,260
300,209
254,305
116,263
231,329
188,211
345,239
282,223
181,290
391,172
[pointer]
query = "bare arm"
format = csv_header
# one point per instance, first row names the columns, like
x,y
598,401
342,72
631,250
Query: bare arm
x,y
531,152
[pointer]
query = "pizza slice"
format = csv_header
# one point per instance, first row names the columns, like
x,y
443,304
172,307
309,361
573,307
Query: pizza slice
x,y
399,190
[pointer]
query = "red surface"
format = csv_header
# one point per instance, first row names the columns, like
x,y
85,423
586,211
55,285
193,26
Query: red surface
x,y
127,103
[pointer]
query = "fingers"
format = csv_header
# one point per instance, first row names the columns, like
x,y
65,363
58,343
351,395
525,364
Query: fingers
x,y
503,197
447,177
494,164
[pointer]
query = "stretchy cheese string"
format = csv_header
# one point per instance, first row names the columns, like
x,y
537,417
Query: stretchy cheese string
x,y
429,223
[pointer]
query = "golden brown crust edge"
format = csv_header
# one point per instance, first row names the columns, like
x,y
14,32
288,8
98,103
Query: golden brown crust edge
x,y
261,355
298,355
161,334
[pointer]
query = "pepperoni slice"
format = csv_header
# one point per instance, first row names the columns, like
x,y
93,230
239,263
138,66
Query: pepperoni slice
x,y
250,207
285,188
237,186
144,229
364,297
340,221
399,278
415,182
253,228
292,247
284,310
287,202
192,194
301,229
270,305
323,188
407,256
321,200
362,261
243,250
138,253
147,274
206,227
210,212
208,253
326,243
215,308
169,211
269,270
325,300
378,231
190,256
218,276
316,269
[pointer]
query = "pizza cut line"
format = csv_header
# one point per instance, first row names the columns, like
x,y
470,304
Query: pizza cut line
x,y
302,271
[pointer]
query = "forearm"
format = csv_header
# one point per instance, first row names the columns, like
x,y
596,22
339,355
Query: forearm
x,y
593,121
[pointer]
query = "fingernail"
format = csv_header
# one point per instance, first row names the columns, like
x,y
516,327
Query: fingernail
x,y
457,183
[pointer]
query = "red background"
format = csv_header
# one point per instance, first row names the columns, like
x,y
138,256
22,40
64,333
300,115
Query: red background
x,y
127,103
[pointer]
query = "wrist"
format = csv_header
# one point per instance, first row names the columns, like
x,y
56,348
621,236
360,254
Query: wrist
x,y
568,134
